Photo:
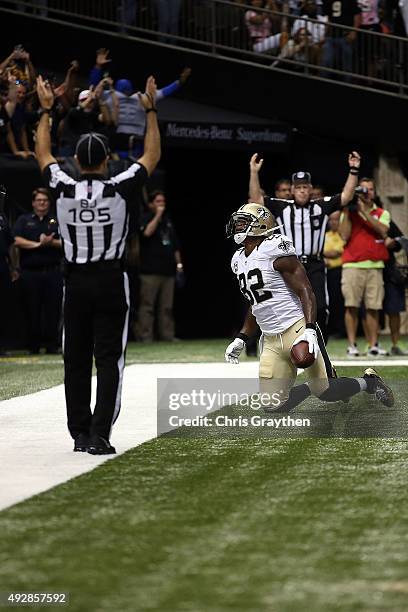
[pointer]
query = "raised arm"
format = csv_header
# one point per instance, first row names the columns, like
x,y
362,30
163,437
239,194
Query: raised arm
x,y
151,227
152,149
11,96
43,140
255,192
345,225
65,91
170,89
101,64
347,194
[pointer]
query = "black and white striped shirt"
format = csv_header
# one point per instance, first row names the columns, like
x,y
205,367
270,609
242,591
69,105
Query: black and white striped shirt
x,y
304,225
93,213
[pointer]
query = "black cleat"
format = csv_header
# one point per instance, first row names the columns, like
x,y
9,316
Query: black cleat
x,y
100,446
377,387
81,443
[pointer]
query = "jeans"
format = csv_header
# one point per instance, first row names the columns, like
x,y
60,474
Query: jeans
x,y
337,53
168,12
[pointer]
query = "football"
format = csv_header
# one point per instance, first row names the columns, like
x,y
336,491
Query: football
x,y
300,356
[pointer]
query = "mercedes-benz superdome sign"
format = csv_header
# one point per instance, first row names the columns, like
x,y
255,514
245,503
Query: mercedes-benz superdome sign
x,y
269,137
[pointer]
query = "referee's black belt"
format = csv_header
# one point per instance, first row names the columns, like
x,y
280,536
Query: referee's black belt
x,y
48,268
93,266
305,259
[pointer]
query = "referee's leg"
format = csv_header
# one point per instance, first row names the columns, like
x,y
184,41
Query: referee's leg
x,y
77,347
111,329
316,272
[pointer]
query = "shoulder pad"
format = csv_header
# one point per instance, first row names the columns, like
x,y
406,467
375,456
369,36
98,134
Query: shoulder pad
x,y
277,246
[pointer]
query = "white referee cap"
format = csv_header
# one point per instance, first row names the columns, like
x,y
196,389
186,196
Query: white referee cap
x,y
301,177
92,149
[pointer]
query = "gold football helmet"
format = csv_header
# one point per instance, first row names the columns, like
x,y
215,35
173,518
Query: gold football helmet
x,y
251,220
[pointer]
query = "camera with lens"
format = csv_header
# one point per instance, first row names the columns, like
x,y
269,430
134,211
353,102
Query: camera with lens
x,y
359,191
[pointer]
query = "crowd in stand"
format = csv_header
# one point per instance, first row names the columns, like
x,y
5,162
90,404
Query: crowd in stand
x,y
103,106
312,31
32,249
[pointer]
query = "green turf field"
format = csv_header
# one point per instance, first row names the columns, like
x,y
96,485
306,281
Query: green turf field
x,y
22,374
216,523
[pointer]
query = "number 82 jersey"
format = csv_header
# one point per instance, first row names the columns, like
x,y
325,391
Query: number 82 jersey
x,y
274,305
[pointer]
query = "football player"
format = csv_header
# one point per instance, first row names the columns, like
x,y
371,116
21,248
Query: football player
x,y
284,306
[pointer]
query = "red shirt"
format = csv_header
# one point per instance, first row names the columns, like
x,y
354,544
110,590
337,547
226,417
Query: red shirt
x,y
364,243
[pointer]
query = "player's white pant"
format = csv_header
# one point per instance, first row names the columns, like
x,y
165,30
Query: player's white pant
x,y
276,371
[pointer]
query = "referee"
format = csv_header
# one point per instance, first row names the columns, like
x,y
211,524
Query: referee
x,y
304,221
93,216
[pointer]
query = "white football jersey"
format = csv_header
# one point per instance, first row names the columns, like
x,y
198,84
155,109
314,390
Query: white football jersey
x,y
275,306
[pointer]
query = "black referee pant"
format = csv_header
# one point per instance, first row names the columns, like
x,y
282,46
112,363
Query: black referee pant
x,y
96,310
316,272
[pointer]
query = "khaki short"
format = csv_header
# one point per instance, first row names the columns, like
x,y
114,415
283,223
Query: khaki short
x,y
362,285
276,371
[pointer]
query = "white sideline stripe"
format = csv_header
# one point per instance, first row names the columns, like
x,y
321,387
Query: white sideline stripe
x,y
374,362
36,449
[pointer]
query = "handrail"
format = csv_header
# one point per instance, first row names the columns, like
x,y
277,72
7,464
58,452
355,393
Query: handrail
x,y
378,61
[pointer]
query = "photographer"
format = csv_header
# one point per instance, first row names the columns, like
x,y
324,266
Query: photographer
x,y
364,226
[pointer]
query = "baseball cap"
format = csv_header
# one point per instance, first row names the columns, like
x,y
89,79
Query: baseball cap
x,y
301,177
83,95
92,149
124,86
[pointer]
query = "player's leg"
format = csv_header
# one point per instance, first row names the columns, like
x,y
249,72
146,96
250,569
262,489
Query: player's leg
x,y
276,372
316,272
319,372
341,389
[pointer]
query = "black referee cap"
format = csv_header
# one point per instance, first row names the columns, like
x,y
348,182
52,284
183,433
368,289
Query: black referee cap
x,y
92,149
301,177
